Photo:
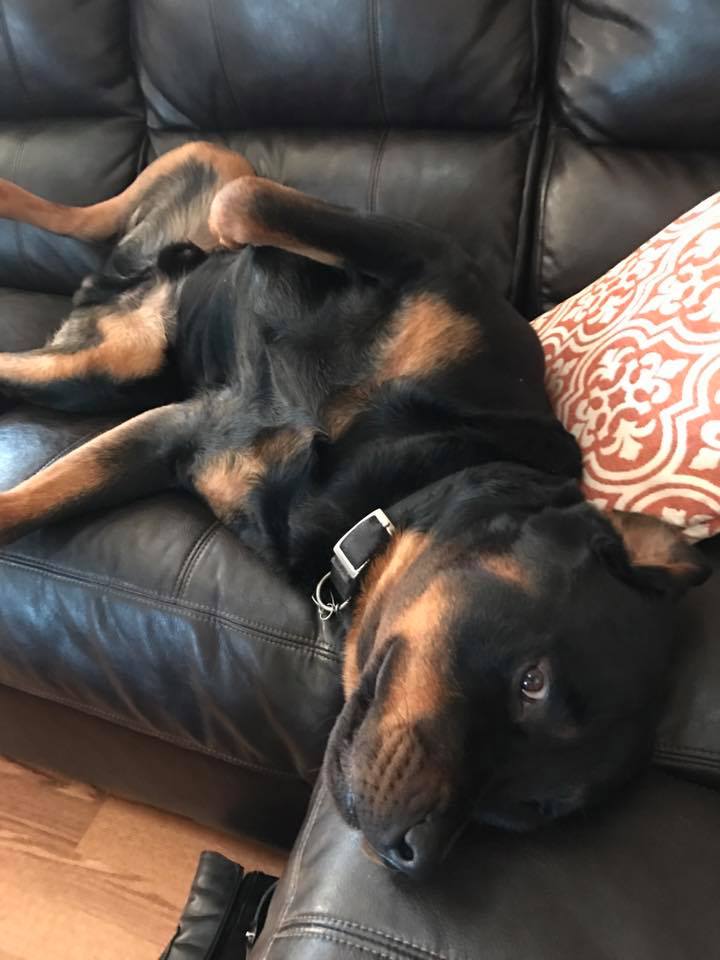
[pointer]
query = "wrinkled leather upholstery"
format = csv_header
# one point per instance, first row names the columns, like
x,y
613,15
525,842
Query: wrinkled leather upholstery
x,y
143,649
637,881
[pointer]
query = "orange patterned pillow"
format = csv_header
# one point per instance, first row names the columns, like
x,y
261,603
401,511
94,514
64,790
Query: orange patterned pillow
x,y
633,371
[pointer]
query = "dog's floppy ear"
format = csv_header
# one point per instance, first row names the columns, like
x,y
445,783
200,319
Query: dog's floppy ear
x,y
660,557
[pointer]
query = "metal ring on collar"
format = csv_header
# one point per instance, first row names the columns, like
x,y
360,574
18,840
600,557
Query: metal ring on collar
x,y
327,609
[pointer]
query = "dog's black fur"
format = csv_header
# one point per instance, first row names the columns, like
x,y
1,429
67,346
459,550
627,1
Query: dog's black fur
x,y
313,364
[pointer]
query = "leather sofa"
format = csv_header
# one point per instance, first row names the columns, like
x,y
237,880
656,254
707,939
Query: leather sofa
x,y
143,649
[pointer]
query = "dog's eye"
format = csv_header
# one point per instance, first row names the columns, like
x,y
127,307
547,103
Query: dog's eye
x,y
534,683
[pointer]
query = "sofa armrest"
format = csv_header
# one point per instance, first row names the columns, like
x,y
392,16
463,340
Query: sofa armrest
x,y
636,880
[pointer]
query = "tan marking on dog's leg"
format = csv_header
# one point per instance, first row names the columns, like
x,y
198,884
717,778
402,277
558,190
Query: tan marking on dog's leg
x,y
426,335
235,221
107,218
132,345
344,408
226,480
81,472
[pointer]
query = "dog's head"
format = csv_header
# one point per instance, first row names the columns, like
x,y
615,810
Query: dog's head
x,y
505,661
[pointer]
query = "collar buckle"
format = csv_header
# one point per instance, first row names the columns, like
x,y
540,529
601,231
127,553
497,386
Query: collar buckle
x,y
351,554
348,567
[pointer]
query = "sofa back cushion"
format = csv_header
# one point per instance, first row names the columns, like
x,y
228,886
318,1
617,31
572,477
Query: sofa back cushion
x,y
71,125
633,135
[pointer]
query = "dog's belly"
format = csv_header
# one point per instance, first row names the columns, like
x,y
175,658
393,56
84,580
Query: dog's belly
x,y
330,351
287,332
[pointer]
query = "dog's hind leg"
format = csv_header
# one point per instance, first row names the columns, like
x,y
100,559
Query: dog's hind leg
x,y
261,213
110,217
103,358
137,458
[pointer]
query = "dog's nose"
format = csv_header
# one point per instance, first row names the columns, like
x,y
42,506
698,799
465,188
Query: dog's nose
x,y
416,851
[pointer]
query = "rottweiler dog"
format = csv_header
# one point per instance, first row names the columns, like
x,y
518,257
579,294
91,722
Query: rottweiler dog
x,y
341,385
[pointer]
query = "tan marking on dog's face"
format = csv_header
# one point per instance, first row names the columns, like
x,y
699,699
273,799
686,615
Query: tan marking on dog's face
x,y
419,686
382,574
132,345
505,567
394,769
426,335
226,480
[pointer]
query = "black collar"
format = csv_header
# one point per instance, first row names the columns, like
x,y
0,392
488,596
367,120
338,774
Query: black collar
x,y
351,555
356,548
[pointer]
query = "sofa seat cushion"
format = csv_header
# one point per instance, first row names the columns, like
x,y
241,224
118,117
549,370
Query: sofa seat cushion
x,y
152,615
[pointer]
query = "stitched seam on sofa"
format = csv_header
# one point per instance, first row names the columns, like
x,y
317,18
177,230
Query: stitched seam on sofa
x,y
294,876
662,746
338,922
138,106
668,745
561,47
13,176
69,448
183,609
158,602
537,50
524,220
374,949
191,560
145,79
551,144
539,292
533,166
200,610
374,178
373,17
684,762
12,55
221,59
146,732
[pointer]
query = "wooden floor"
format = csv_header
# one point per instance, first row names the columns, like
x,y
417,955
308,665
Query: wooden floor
x,y
84,876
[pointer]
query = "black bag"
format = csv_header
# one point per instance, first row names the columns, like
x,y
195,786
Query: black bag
x,y
224,913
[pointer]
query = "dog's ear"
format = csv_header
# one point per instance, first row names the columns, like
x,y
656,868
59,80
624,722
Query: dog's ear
x,y
660,557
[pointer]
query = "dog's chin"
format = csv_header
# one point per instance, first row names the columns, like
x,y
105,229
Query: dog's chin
x,y
344,799
510,821
529,815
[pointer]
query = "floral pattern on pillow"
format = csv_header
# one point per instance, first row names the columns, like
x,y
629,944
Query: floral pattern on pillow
x,y
633,370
